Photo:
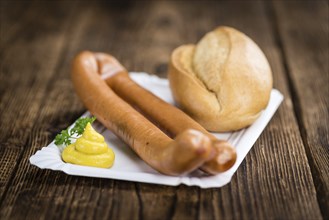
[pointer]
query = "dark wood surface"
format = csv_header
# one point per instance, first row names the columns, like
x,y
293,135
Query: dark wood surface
x,y
284,176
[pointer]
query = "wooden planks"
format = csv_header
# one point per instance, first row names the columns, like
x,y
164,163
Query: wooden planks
x,y
276,169
274,182
56,194
304,37
26,58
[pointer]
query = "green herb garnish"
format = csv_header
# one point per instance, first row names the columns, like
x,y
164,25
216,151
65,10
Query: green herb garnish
x,y
64,138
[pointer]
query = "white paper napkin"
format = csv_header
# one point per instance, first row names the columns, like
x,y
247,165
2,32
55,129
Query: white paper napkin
x,y
128,166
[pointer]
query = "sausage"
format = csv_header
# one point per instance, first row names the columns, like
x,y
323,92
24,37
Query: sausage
x,y
169,118
215,155
183,154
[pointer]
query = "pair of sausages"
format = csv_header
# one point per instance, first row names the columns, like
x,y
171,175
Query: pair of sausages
x,y
162,135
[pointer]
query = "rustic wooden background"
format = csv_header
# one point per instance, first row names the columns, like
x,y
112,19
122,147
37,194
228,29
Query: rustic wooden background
x,y
285,175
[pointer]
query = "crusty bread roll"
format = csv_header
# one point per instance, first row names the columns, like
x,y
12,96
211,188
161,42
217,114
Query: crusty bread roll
x,y
223,82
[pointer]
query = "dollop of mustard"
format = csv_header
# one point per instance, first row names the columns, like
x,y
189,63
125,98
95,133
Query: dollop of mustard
x,y
89,150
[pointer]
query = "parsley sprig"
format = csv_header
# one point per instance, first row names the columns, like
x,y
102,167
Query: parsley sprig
x,y
64,138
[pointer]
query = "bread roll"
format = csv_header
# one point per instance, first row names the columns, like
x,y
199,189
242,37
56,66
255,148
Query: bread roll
x,y
223,82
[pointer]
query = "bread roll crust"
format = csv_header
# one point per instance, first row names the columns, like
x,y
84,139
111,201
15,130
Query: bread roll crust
x,y
223,82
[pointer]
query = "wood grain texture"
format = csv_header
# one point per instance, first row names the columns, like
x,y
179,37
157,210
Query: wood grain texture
x,y
27,60
274,181
276,168
304,37
58,195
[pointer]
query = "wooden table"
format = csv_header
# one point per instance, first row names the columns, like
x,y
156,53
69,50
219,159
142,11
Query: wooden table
x,y
284,176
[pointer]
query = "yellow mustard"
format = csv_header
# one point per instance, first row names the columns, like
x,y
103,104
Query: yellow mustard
x,y
89,150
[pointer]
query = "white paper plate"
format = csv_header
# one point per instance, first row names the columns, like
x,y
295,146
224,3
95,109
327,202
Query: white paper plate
x,y
128,166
